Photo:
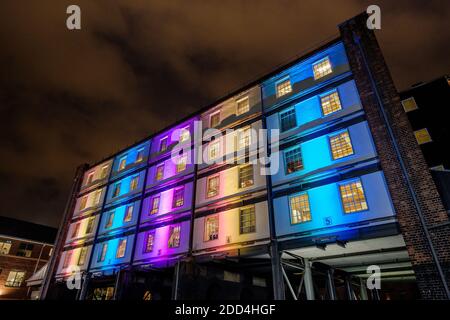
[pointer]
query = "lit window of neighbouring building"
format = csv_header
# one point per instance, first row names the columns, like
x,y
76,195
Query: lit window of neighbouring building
x,y
247,220
293,159
25,250
300,210
121,248
128,213
110,221
104,172
341,145
185,135
181,163
330,103
353,198
213,150
159,172
15,279
102,253
140,155
149,242
76,228
246,176
288,120
90,225
163,144
244,138
283,87
214,119
211,228
243,106
116,191
67,258
178,197
409,104
134,183
5,246
155,205
82,256
174,236
422,136
122,163
321,68
212,186
83,202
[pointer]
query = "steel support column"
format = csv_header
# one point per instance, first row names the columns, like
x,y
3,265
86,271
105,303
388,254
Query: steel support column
x,y
363,289
85,286
309,285
277,274
331,286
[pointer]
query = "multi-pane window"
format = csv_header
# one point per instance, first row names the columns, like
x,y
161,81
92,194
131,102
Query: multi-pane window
x,y
246,176
83,202
288,120
211,228
155,205
110,220
321,68
116,191
122,163
212,186
244,138
353,198
82,256
159,172
330,103
214,120
247,220
140,155
341,145
128,213
97,196
25,250
149,241
76,228
104,172
300,210
15,279
67,258
121,248
409,104
213,149
5,246
185,135
293,160
163,144
243,106
422,136
174,236
284,87
181,163
102,253
90,225
178,197
134,183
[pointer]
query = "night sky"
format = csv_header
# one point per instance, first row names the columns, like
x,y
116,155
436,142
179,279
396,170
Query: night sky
x,y
70,97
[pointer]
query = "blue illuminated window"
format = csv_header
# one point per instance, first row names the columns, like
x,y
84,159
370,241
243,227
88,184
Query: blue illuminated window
x,y
288,120
140,155
122,163
293,160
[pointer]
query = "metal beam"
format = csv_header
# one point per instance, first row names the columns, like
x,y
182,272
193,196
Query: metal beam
x,y
288,283
363,289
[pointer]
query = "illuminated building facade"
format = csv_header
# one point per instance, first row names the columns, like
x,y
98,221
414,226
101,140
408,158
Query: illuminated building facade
x,y
155,222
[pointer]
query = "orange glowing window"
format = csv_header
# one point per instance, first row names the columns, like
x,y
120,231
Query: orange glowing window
x,y
353,198
174,236
283,87
321,68
121,248
211,228
212,186
330,103
82,256
128,213
341,145
300,210
159,172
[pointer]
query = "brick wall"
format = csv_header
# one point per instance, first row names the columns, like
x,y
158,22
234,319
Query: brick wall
x,y
428,279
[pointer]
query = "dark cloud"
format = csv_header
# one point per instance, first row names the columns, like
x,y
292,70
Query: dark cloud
x,y
69,97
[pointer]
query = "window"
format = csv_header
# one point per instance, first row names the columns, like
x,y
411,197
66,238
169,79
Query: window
x,y
116,191
181,163
163,144
288,120
321,68
246,176
409,104
25,250
122,163
243,106
247,220
185,135
109,222
104,172
149,242
159,172
83,202
178,197
140,155
211,228
134,183
341,145
352,195
97,196
300,210
15,279
121,248
5,246
102,253
76,228
128,213
214,149
67,258
293,160
212,186
283,87
174,236
245,138
330,103
90,225
90,178
214,119
82,256
422,136
155,205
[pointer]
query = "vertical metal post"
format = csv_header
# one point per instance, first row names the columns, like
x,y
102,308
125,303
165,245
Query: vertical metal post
x,y
84,288
277,276
117,286
288,283
331,286
175,281
363,289
309,285
348,287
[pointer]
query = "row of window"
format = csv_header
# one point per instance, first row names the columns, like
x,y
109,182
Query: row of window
x,y
242,106
126,218
177,200
24,250
242,141
103,174
81,259
89,227
96,201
